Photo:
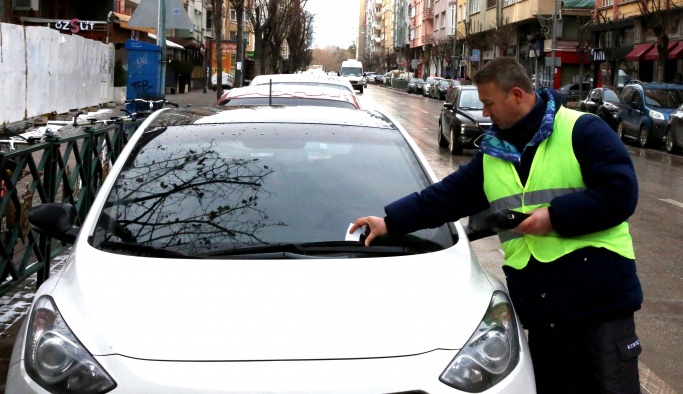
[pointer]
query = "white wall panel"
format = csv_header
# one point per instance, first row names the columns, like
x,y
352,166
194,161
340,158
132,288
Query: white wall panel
x,y
12,73
44,71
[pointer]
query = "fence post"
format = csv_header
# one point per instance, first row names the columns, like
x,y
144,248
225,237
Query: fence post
x,y
50,185
88,153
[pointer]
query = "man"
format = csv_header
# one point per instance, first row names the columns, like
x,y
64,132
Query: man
x,y
570,265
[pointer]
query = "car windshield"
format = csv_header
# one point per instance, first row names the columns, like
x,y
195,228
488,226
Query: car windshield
x,y
664,98
346,71
244,101
610,96
469,99
199,189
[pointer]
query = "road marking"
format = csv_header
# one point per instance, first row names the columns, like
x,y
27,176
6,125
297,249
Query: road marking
x,y
676,203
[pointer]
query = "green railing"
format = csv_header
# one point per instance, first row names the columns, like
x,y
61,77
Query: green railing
x,y
68,168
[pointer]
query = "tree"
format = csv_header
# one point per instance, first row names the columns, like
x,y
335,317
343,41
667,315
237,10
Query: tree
x,y
658,18
218,36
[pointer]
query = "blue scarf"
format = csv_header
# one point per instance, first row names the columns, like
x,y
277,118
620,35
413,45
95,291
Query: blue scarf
x,y
496,147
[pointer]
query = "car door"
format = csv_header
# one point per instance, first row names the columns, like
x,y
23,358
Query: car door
x,y
634,113
594,101
448,112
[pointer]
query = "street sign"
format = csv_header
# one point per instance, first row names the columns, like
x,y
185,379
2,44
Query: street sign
x,y
147,14
476,54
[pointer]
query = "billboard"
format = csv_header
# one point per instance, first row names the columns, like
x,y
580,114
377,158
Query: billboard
x,y
229,54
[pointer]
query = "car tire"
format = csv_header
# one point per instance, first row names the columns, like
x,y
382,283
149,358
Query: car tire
x,y
443,142
453,146
620,130
670,141
643,137
360,89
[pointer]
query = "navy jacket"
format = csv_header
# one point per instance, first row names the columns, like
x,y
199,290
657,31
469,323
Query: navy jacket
x,y
585,285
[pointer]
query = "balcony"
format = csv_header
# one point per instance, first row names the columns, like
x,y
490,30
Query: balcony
x,y
427,14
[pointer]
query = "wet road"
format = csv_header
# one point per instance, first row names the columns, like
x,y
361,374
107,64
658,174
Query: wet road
x,y
656,228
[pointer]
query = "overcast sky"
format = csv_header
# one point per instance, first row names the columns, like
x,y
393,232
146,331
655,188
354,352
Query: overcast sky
x,y
335,23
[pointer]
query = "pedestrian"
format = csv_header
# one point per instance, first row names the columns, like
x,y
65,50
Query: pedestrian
x,y
570,266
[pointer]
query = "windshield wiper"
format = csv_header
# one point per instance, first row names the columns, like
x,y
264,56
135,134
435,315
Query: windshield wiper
x,y
142,250
317,250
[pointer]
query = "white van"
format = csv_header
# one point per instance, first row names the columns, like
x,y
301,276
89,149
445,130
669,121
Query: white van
x,y
352,70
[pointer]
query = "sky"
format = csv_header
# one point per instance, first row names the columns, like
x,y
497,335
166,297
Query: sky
x,y
335,23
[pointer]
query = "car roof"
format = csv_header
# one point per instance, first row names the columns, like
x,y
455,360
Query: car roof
x,y
271,114
292,91
656,85
293,78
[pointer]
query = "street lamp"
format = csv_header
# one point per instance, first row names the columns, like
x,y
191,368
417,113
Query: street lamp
x,y
535,51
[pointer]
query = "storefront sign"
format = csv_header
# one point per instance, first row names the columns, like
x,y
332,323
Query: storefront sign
x,y
75,25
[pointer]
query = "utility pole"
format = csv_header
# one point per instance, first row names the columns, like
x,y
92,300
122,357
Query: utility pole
x,y
553,45
161,42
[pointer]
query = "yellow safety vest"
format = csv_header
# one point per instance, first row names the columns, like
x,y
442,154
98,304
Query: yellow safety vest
x,y
555,171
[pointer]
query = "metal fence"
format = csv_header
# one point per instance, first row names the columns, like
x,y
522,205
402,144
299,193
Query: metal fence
x,y
69,168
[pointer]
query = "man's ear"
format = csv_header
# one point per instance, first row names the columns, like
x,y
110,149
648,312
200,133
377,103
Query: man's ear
x,y
518,94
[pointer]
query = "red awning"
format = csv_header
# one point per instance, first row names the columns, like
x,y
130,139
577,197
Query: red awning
x,y
654,53
638,51
677,52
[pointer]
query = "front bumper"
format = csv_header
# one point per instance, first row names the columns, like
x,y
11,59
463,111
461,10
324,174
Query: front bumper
x,y
417,373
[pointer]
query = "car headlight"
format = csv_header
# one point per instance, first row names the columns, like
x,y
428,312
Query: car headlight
x,y
490,354
55,359
656,115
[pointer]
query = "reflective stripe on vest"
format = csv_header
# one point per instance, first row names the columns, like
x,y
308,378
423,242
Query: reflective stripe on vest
x,y
554,172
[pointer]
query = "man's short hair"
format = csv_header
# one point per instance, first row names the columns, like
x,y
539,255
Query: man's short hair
x,y
506,73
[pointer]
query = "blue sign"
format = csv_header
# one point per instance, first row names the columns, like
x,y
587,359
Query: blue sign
x,y
475,55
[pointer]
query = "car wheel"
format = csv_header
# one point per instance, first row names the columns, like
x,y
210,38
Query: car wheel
x,y
670,141
360,89
620,130
441,139
453,146
643,137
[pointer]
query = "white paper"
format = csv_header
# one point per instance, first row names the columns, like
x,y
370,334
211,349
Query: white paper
x,y
354,236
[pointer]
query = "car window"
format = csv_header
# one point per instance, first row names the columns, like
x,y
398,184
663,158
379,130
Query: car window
x,y
194,189
610,96
595,94
664,98
469,99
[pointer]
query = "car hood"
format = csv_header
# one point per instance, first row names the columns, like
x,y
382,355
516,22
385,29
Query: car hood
x,y
166,309
474,116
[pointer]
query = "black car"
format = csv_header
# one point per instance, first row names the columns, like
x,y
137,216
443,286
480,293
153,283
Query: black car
x,y
604,102
461,121
440,89
574,91
415,85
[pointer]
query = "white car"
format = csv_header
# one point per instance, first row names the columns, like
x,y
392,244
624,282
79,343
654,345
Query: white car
x,y
289,94
228,81
216,259
303,79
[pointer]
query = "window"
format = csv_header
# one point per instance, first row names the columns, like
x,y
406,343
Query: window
x,y
452,20
245,37
233,15
607,3
474,6
443,20
490,3
509,2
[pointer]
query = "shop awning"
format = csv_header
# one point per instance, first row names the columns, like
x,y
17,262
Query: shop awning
x,y
169,43
638,52
123,19
654,53
677,52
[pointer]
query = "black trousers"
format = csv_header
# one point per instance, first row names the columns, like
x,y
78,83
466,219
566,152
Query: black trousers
x,y
591,358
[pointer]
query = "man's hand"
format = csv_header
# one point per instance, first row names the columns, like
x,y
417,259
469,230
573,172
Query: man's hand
x,y
375,224
536,224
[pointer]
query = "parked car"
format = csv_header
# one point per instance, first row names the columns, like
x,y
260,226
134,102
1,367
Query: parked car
x,y
570,92
673,137
440,88
289,94
461,121
228,81
428,84
604,102
216,253
378,78
386,79
645,111
369,77
415,85
303,80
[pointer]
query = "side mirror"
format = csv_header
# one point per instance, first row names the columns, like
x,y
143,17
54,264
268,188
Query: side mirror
x,y
55,220
448,105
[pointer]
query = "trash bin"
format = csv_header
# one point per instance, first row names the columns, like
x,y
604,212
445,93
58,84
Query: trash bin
x,y
144,72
